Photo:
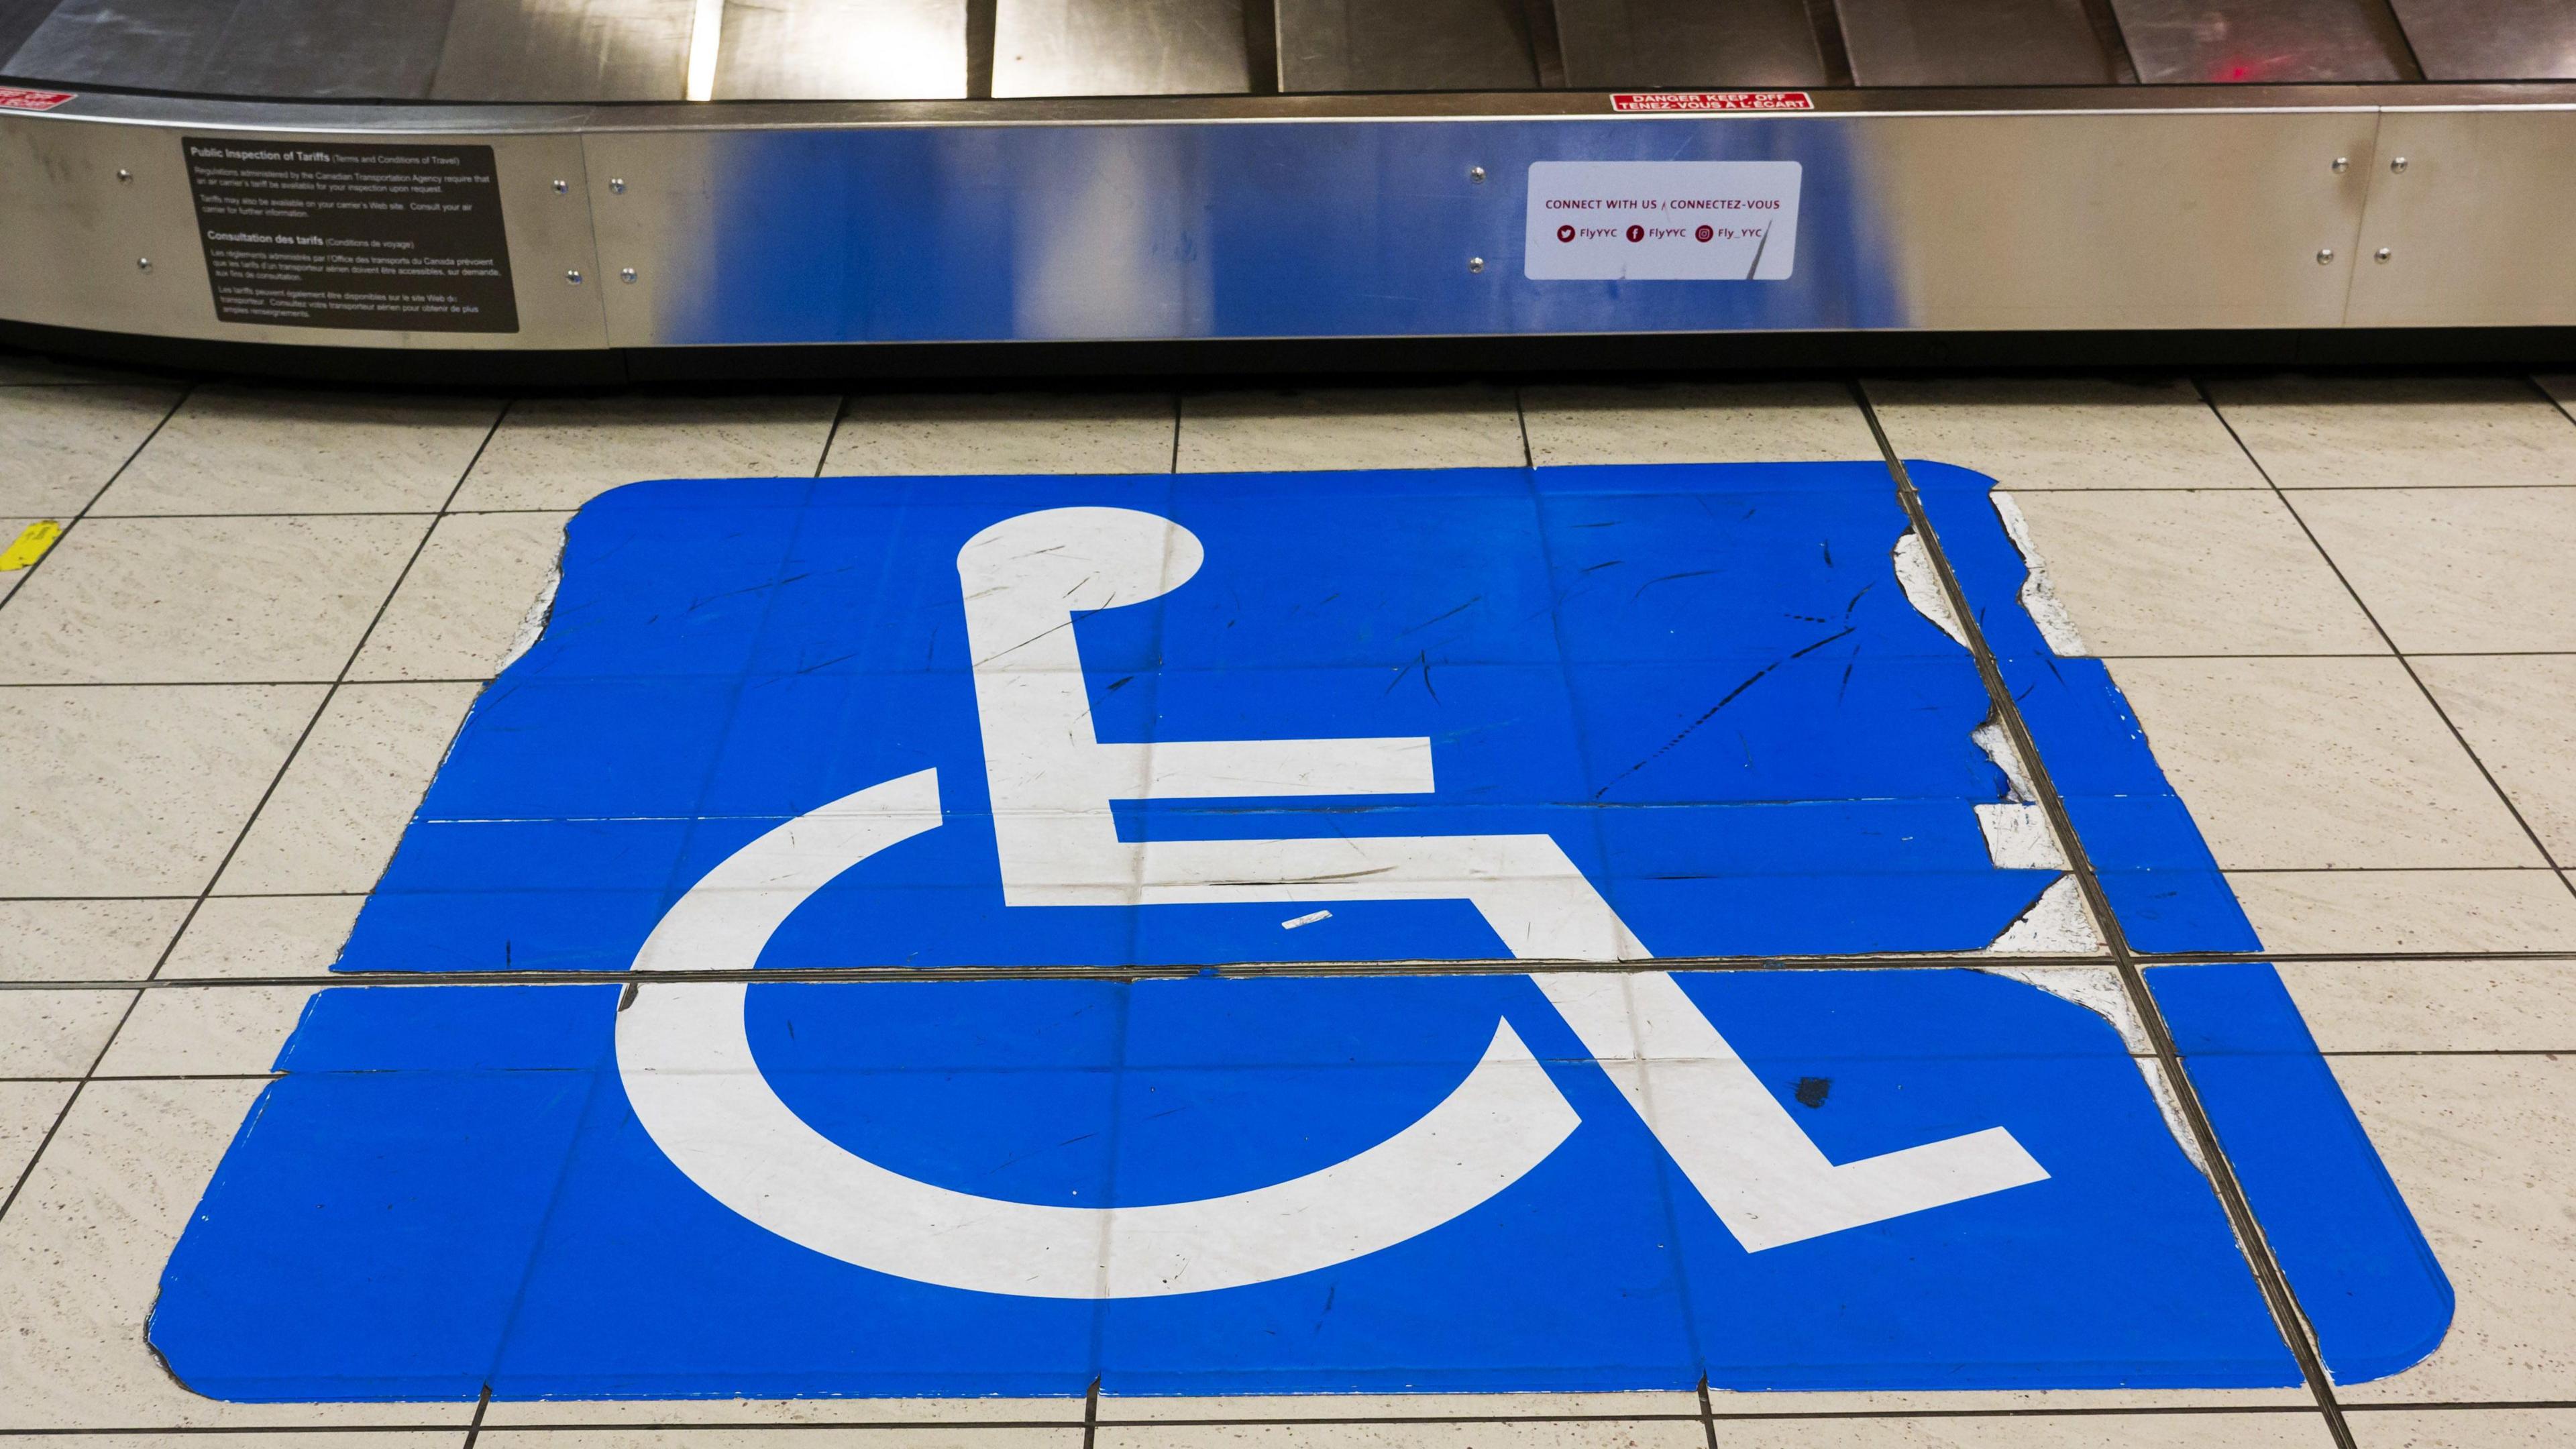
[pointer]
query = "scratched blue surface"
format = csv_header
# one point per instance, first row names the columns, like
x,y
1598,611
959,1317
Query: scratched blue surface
x,y
1703,682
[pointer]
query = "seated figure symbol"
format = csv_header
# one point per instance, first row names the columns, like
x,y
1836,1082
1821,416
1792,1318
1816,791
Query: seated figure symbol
x,y
687,1063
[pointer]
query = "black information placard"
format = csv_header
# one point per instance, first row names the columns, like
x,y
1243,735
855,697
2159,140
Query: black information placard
x,y
310,234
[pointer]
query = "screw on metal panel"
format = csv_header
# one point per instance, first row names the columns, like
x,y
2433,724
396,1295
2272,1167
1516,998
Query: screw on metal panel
x,y
142,264
617,184
1475,264
2380,255
2342,164
124,175
2324,255
626,274
573,277
2399,164
1476,173
561,187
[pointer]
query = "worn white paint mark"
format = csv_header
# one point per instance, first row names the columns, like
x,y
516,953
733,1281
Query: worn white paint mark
x,y
532,624
1922,585
2038,591
2057,924
1999,747
2019,837
2097,989
1308,919
2169,1103
706,40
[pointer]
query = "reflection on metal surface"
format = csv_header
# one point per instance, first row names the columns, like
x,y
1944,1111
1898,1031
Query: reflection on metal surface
x,y
1119,48
706,39
566,50
842,50
2477,226
1421,45
1687,44
1973,43
159,43
2227,41
285,48
2492,39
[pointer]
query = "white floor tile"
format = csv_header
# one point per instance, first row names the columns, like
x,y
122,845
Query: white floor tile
x,y
562,452
2065,432
2399,432
2456,570
2437,1006
63,444
2408,910
2298,764
56,1033
2220,572
297,450
1261,432
2482,1148
482,584
136,791
336,815
85,940
1732,422
204,600
902,435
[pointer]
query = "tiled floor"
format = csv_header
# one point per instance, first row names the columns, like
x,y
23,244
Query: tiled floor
x,y
2341,607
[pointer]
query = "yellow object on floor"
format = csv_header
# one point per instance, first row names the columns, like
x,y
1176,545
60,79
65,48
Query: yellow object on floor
x,y
30,545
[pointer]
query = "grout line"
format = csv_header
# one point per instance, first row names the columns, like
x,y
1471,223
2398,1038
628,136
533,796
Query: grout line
x,y
1520,415
1707,1414
26,1174
198,902
2221,1171
27,575
832,435
2403,662
1091,1412
1247,970
474,1427
1176,433
2549,397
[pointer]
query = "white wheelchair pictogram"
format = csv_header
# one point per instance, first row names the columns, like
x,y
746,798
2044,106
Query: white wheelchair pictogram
x,y
686,1059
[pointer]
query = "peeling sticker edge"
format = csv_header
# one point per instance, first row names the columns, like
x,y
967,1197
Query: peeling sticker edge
x,y
2057,924
532,624
1922,585
2038,591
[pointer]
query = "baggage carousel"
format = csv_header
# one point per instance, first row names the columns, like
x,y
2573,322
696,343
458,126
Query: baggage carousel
x,y
696,178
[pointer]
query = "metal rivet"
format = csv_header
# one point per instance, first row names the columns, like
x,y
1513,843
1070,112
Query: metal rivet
x,y
1475,264
2342,164
2397,165
124,175
2324,255
2380,255
561,187
1476,173
617,184
626,274
573,277
142,264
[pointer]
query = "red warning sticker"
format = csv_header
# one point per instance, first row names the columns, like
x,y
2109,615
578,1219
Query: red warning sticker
x,y
14,98
1713,101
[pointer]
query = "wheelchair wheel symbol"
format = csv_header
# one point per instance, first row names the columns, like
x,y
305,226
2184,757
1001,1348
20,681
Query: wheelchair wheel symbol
x,y
685,1056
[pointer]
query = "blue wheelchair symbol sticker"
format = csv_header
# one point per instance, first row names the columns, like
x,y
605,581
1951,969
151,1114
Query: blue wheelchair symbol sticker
x,y
999,935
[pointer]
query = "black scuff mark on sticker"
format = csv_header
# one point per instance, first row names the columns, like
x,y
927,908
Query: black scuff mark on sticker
x,y
1436,618
1712,711
1812,1091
